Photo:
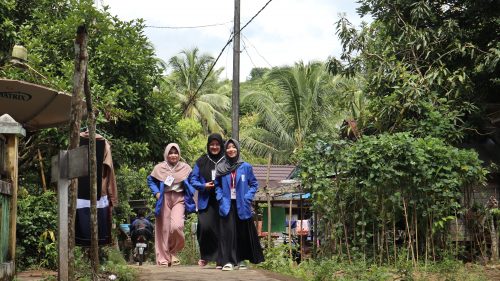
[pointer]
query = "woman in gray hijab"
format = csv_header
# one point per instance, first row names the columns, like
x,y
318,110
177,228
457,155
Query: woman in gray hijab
x,y
235,187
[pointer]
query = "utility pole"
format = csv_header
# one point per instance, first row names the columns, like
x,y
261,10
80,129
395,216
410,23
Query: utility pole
x,y
236,74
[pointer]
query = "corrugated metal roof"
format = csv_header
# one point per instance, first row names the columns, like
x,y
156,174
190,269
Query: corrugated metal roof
x,y
277,173
289,196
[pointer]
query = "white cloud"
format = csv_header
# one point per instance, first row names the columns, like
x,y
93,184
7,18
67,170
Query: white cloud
x,y
285,32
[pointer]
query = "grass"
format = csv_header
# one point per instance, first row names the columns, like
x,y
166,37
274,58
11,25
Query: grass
x,y
336,268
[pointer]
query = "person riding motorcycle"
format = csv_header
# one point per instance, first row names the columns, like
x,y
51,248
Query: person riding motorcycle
x,y
141,226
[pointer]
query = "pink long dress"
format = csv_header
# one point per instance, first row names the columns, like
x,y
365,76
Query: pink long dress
x,y
169,234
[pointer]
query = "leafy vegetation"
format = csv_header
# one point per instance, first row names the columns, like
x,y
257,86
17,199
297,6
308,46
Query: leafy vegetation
x,y
286,105
326,269
375,131
36,230
206,104
387,192
430,66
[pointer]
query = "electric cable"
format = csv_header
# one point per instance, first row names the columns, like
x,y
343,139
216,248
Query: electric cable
x,y
257,51
188,27
213,65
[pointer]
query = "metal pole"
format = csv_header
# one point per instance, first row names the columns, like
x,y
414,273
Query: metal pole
x,y
63,218
236,73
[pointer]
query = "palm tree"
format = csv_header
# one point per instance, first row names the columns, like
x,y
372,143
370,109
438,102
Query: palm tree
x,y
207,103
290,103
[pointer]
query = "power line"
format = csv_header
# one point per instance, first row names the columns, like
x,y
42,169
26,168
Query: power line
x,y
261,9
187,27
257,51
217,59
248,55
227,57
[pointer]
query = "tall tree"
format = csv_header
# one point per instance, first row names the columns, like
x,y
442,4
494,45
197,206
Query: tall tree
x,y
431,66
204,103
123,71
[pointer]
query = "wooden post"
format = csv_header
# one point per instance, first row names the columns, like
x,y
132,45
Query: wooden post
x,y
268,197
301,225
80,62
12,131
94,249
12,158
42,173
315,234
290,227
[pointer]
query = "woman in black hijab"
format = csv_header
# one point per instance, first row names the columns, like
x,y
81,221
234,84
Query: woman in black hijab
x,y
202,178
235,188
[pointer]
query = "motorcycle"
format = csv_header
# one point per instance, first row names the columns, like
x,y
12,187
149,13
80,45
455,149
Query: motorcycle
x,y
141,232
141,246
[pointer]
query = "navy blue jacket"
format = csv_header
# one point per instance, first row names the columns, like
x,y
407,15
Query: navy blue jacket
x,y
159,186
246,187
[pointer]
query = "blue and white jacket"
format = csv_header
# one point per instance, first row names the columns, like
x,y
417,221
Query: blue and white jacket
x,y
246,187
159,186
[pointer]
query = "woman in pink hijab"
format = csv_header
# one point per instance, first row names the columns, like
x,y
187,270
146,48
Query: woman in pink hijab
x,y
168,183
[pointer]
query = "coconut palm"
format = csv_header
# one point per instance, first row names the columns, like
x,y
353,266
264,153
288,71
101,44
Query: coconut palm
x,y
206,104
290,104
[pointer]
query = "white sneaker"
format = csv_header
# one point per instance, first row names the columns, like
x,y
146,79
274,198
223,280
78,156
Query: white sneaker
x,y
228,267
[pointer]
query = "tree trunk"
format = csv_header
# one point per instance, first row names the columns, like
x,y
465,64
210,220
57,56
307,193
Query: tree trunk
x,y
94,250
81,59
492,204
494,240
410,243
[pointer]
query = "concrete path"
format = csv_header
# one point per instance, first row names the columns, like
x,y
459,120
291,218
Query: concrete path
x,y
148,272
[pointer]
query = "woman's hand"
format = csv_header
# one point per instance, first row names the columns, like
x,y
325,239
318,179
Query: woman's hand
x,y
209,185
157,196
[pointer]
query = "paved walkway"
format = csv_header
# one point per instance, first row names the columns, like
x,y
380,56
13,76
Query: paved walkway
x,y
149,272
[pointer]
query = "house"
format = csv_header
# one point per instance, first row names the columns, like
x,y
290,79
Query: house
x,y
284,194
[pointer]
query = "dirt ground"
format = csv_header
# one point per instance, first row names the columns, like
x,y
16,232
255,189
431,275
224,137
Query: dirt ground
x,y
34,275
188,273
149,272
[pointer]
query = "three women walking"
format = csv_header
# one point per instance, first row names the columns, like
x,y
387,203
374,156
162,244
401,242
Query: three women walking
x,y
226,188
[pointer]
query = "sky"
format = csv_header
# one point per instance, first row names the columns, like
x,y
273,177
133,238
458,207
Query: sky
x,y
285,32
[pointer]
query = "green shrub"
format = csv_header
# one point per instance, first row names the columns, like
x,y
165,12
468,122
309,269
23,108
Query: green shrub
x,y
277,259
36,230
116,264
382,185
